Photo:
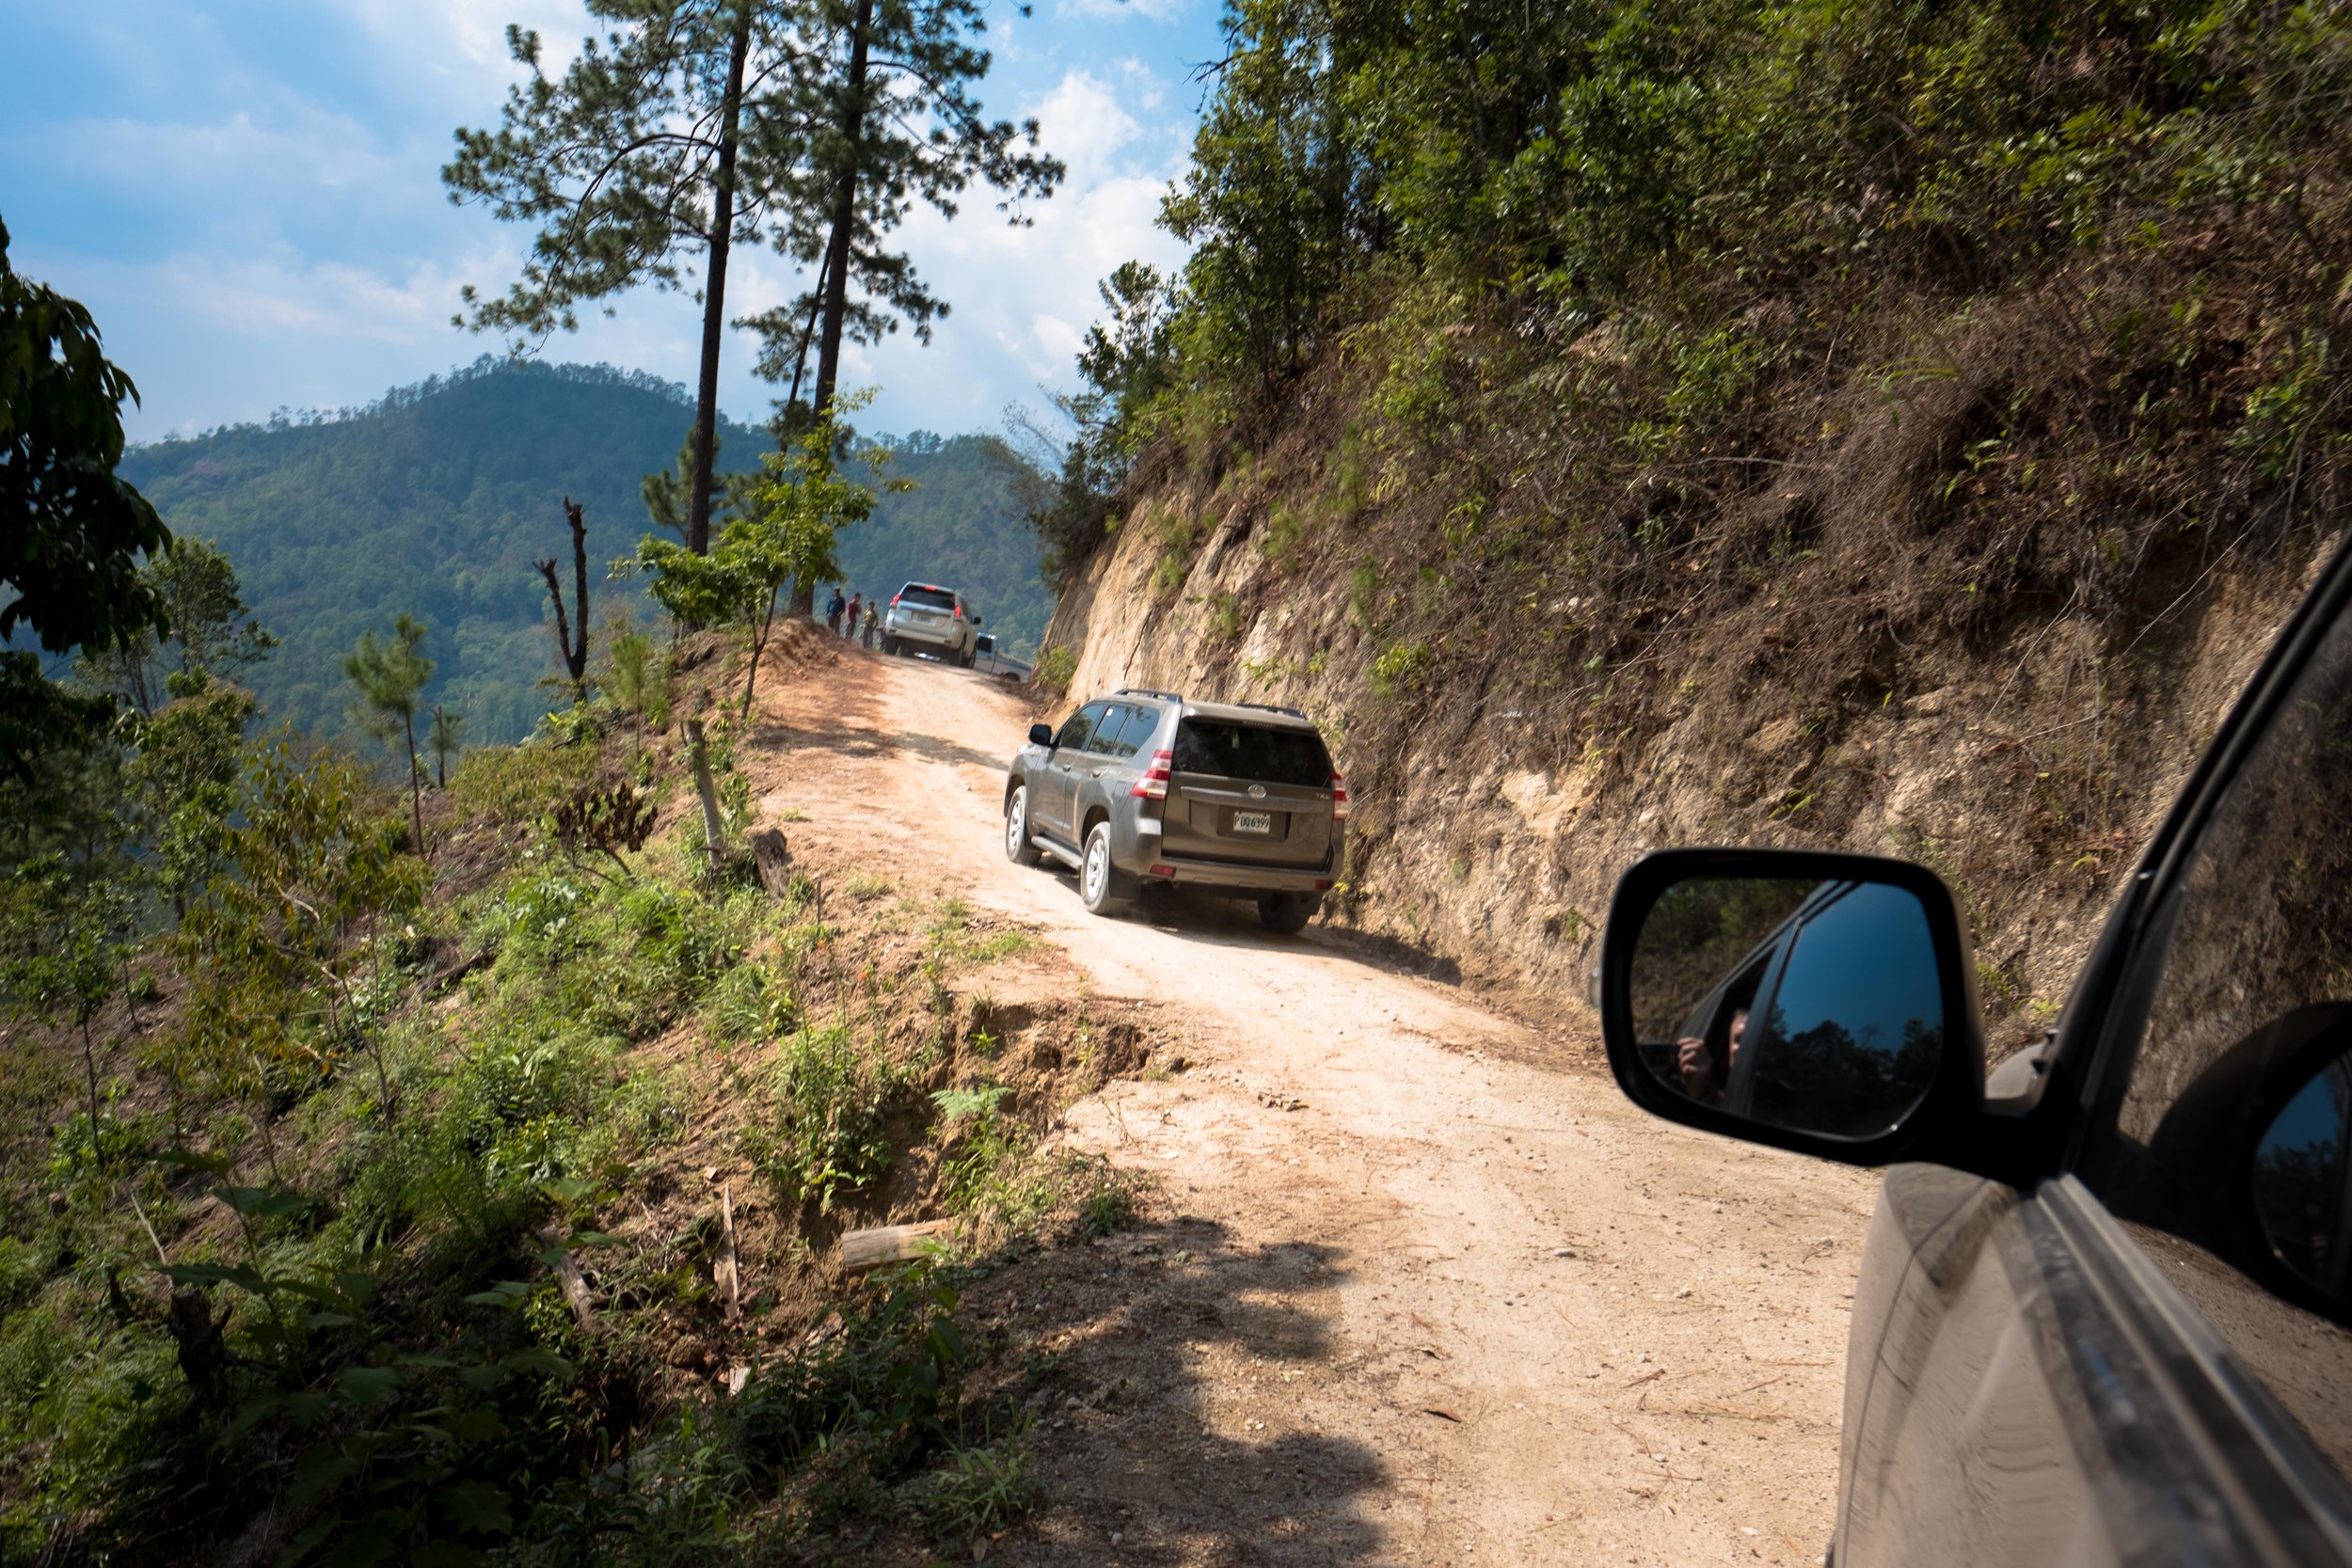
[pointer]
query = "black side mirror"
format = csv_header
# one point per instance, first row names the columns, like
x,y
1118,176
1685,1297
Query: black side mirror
x,y
1041,735
1823,1002
977,620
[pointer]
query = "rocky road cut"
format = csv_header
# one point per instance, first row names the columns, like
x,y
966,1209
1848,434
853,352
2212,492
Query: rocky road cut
x,y
1426,1290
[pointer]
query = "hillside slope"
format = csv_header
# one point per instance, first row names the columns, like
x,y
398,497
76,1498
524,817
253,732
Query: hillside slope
x,y
436,500
1868,424
1503,776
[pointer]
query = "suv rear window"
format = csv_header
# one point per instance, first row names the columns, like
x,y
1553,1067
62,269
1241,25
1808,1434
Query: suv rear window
x,y
1261,755
935,598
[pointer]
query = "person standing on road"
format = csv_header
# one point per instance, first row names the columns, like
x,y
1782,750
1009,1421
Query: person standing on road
x,y
857,602
832,611
873,620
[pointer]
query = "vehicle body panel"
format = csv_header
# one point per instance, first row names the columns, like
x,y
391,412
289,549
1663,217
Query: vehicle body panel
x,y
2074,1339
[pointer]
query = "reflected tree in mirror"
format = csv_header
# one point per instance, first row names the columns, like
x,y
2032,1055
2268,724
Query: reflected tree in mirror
x,y
1697,936
1856,1028
1816,1006
2299,1180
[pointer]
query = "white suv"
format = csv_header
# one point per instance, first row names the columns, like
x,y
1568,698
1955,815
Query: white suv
x,y
924,618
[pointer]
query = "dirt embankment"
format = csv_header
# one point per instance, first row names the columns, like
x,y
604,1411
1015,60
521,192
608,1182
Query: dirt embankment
x,y
1504,775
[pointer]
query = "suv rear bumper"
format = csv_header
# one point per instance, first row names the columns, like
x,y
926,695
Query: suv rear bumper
x,y
1225,874
940,638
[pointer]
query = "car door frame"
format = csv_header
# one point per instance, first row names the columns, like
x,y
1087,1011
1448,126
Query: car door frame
x,y
2172,1427
1089,767
1057,808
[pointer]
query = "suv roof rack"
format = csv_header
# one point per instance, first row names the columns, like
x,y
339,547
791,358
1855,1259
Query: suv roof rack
x,y
1147,692
1269,708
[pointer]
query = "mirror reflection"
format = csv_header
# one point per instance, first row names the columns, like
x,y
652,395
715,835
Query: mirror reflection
x,y
2299,1180
1815,1006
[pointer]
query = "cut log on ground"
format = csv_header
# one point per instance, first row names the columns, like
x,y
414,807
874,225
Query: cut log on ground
x,y
888,1243
567,1277
730,1279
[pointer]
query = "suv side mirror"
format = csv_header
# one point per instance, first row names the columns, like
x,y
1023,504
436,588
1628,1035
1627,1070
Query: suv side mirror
x,y
1823,1002
1041,735
977,620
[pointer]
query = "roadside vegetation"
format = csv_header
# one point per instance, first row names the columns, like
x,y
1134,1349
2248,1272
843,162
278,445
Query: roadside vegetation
x,y
296,1180
450,1175
1700,385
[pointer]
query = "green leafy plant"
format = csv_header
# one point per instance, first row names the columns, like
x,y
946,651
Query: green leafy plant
x,y
979,1490
831,1134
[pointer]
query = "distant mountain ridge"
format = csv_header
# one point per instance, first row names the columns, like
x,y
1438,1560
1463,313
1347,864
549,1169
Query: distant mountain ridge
x,y
437,499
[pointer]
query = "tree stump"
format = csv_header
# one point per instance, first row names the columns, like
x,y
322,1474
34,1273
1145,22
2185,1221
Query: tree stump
x,y
773,860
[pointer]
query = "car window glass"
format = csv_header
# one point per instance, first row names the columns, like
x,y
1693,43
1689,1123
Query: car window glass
x,y
1138,729
2247,973
1854,1029
1262,753
1104,741
1077,730
929,598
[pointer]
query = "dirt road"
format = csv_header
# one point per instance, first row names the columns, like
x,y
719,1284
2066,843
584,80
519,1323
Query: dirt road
x,y
1417,1296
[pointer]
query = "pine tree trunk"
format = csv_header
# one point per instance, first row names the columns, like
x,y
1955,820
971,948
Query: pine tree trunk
x,y
416,786
715,291
836,273
714,828
576,657
89,1066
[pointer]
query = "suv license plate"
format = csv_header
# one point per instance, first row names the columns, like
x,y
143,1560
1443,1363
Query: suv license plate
x,y
1253,823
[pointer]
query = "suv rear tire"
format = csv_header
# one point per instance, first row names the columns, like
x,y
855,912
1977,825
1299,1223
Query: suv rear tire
x,y
1288,912
1102,886
1018,848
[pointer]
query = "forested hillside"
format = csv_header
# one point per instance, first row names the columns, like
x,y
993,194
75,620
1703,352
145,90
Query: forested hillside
x,y
436,501
1640,423
963,524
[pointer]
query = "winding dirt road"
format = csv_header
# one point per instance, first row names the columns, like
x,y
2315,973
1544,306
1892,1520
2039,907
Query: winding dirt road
x,y
1428,1289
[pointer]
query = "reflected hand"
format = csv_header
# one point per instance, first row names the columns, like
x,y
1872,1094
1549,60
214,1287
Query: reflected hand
x,y
1697,1066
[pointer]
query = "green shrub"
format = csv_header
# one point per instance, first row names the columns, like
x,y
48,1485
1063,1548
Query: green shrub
x,y
830,1136
750,1002
1285,531
520,784
978,1491
1399,670
1055,668
872,1400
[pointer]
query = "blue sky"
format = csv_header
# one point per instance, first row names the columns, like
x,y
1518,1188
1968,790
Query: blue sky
x,y
247,197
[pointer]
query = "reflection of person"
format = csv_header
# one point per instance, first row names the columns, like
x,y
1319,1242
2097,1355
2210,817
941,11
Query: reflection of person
x,y
1702,1077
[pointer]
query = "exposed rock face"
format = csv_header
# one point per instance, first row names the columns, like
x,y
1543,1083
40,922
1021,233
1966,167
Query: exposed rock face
x,y
1493,815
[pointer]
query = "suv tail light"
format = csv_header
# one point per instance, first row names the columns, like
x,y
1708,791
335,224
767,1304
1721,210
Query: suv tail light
x,y
1339,799
958,613
1152,785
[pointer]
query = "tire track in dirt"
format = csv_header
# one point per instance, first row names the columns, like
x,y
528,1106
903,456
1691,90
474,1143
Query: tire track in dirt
x,y
1417,1298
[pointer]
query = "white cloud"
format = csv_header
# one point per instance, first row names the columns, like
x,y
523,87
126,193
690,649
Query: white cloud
x,y
275,232
1056,338
277,291
1023,296
1105,10
460,45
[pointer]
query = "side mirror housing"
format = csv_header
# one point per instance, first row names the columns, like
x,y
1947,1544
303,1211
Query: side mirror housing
x,y
978,620
1041,735
1821,1002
